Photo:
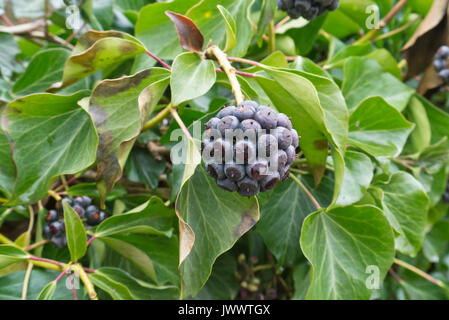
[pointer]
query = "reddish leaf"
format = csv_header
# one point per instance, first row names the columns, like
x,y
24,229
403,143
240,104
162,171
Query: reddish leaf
x,y
189,35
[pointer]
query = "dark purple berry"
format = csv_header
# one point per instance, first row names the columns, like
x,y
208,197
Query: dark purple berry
x,y
284,136
212,123
257,170
266,117
250,124
51,216
215,170
227,111
291,154
270,181
227,185
79,209
234,172
228,123
248,187
284,121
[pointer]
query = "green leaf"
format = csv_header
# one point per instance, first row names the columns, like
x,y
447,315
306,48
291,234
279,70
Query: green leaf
x,y
283,211
301,280
10,255
119,108
11,285
439,120
122,286
191,77
143,167
405,205
211,221
47,292
421,135
223,283
342,244
99,50
378,129
44,70
152,217
8,169
436,241
75,232
137,257
358,84
8,51
357,178
56,133
231,28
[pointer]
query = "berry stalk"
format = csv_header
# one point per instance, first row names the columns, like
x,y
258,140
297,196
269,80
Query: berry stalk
x,y
215,53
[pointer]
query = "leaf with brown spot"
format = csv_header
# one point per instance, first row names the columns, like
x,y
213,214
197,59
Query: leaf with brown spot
x,y
119,107
189,35
99,50
211,221
431,34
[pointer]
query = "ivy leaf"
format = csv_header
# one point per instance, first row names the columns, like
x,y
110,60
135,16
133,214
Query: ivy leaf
x,y
75,232
188,33
7,169
357,178
99,50
405,205
47,292
436,241
10,255
230,28
421,135
211,221
341,244
45,69
155,29
143,167
152,217
119,107
122,286
378,129
283,211
358,84
191,77
54,131
8,51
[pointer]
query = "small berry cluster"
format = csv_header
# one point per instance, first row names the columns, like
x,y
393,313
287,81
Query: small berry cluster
x,y
440,63
249,148
309,9
55,227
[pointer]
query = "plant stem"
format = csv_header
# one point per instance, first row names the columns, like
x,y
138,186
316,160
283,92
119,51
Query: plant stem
x,y
90,241
75,297
36,245
214,52
419,272
46,263
394,274
282,22
180,123
398,30
62,273
158,118
87,283
54,195
306,191
246,61
26,281
262,267
64,185
271,37
158,59
373,33
5,214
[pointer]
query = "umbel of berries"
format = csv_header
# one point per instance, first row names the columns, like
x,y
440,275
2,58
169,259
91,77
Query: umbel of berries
x,y
308,9
440,63
55,227
249,148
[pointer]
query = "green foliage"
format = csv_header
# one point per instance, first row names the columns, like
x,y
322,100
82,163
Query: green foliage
x,y
116,110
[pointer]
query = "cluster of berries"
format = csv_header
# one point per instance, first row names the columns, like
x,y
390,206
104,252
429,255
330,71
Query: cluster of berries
x,y
55,227
249,148
309,9
440,63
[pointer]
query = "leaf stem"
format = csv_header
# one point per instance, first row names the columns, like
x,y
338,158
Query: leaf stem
x,y
282,22
64,185
395,275
306,191
158,118
36,245
87,283
158,59
54,195
271,37
373,33
180,123
214,52
246,61
396,31
26,281
420,273
66,269
90,241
